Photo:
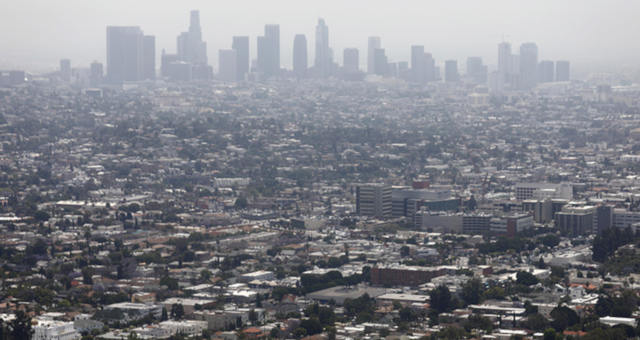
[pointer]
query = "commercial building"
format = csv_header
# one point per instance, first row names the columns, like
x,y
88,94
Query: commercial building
x,y
575,221
563,72
124,53
525,191
374,200
546,71
511,225
476,70
351,60
227,60
323,59
404,275
241,45
300,57
451,71
269,51
528,66
372,45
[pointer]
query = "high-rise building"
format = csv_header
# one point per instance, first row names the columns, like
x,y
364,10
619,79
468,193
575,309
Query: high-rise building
x,y
476,70
149,57
563,70
380,63
227,62
373,200
96,74
451,71
193,51
418,64
241,45
430,67
300,57
372,44
546,71
191,48
528,66
324,58
65,70
351,60
269,51
124,54
504,60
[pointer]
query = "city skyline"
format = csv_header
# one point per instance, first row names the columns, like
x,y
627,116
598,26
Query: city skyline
x,y
455,40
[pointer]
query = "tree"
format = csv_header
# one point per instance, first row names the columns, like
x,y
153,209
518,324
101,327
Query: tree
x,y
241,203
550,334
563,317
164,316
604,305
550,240
526,278
405,251
253,316
41,216
312,326
177,311
20,327
476,321
529,308
440,299
299,333
536,322
472,291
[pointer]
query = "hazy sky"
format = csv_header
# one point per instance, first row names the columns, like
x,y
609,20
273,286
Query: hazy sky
x,y
35,34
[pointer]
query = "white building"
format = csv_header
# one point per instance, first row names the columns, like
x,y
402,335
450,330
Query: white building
x,y
185,327
54,330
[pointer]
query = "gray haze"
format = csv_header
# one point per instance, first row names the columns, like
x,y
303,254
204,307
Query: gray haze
x,y
594,34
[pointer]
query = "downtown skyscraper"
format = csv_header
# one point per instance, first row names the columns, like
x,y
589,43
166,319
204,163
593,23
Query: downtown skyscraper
x,y
126,54
192,50
269,51
324,58
528,66
373,43
300,58
241,45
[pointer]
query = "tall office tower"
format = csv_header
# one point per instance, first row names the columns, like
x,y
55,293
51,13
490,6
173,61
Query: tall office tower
x,y
124,53
513,74
546,71
149,57
430,67
323,59
165,61
418,64
504,60
241,45
269,51
96,74
496,83
380,63
192,50
372,45
374,200
528,66
476,70
65,70
451,71
351,60
300,58
227,65
563,70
